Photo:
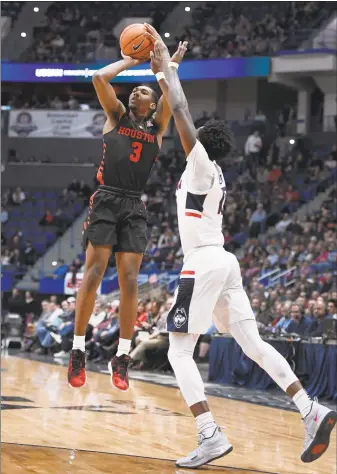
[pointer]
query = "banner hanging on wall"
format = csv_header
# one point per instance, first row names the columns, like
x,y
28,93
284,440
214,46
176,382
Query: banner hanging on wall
x,y
56,123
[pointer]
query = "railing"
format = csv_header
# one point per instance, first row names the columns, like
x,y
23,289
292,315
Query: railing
x,y
323,38
59,242
277,276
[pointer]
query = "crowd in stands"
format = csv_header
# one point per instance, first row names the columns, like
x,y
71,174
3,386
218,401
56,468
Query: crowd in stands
x,y
19,252
11,9
16,253
49,328
46,100
222,29
75,33
302,254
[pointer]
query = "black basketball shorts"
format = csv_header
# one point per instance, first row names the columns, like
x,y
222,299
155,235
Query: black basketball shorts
x,y
116,218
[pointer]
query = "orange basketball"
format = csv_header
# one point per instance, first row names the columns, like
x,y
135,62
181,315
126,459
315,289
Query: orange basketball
x,y
133,42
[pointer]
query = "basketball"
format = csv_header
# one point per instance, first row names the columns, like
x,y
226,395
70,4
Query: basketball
x,y
133,42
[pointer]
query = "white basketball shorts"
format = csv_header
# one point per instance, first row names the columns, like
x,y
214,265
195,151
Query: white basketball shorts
x,y
210,288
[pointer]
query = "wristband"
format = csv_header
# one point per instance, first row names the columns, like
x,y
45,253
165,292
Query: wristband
x,y
160,75
173,64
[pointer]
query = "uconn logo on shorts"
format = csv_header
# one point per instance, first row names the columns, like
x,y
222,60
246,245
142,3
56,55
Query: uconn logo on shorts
x,y
179,318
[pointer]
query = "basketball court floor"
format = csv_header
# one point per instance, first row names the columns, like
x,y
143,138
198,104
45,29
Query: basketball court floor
x,y
49,428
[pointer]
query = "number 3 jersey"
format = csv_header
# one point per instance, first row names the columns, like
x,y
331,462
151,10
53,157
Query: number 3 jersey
x,y
129,153
201,193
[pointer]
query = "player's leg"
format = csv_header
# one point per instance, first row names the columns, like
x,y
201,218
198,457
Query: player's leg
x,y
191,312
129,250
96,261
318,419
212,442
234,311
128,265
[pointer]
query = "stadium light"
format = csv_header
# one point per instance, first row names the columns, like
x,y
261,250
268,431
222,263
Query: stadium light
x,y
36,9
23,34
187,9
292,141
54,263
167,35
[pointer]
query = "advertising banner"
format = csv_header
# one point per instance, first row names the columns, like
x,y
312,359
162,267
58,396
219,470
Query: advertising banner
x,y
56,123
190,70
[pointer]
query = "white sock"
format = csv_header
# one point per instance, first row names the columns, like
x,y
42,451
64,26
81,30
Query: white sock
x,y
124,347
79,343
205,424
303,402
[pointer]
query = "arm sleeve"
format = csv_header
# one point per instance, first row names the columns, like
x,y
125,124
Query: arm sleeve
x,y
200,169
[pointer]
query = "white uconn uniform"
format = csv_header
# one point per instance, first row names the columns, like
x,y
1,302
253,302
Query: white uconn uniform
x,y
210,281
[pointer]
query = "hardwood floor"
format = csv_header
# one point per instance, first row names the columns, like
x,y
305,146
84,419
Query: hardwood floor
x,y
47,427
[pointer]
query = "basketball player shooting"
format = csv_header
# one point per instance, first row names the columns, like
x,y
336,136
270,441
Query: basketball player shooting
x,y
210,283
117,218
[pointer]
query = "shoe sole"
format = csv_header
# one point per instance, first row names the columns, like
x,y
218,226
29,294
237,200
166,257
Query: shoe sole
x,y
196,466
112,384
321,441
81,386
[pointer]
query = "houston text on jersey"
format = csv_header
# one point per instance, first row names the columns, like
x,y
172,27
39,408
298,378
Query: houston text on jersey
x,y
130,132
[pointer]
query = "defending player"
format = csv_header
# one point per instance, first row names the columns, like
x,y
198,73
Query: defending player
x,y
210,281
117,219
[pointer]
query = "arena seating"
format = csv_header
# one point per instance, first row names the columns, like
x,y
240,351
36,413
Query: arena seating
x,y
75,34
222,29
11,9
26,223
219,29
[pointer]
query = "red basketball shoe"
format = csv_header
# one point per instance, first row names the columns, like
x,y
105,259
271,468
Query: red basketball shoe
x,y
118,368
76,369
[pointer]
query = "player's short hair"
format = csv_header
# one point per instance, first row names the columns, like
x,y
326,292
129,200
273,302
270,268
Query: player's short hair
x,y
154,94
155,97
216,138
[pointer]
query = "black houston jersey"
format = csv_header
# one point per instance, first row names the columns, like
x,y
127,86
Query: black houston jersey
x,y
128,155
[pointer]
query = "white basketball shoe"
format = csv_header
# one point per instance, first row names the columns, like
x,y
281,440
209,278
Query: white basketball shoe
x,y
319,424
209,449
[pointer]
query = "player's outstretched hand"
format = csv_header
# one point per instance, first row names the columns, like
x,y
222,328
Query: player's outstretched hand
x,y
180,53
160,57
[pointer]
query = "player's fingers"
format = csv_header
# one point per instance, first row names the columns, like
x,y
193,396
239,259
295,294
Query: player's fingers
x,y
151,30
158,46
156,50
150,37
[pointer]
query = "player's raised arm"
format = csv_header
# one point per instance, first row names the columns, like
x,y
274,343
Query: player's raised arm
x,y
163,113
105,92
173,92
